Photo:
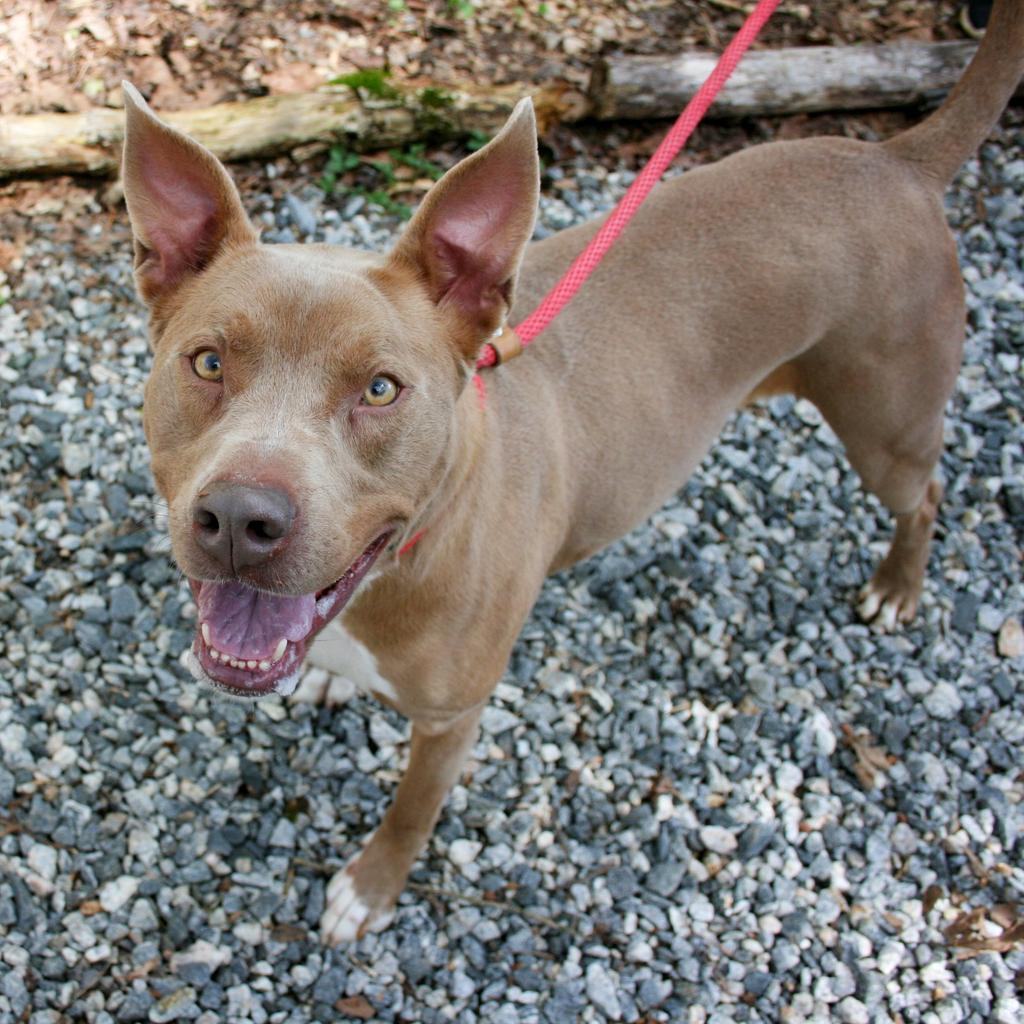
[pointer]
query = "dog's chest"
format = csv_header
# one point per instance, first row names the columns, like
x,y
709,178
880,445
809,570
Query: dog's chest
x,y
341,654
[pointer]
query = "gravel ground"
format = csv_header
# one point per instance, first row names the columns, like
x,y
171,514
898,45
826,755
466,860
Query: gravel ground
x,y
704,791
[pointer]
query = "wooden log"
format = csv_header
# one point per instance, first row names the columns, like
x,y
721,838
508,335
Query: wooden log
x,y
786,81
766,82
90,142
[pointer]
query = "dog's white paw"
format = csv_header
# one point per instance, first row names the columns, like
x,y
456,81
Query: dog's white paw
x,y
350,914
317,687
884,607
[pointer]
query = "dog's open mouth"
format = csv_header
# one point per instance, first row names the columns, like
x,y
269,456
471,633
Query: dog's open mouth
x,y
250,643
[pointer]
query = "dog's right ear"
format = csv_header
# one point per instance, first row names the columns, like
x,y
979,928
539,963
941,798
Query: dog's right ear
x,y
183,207
466,240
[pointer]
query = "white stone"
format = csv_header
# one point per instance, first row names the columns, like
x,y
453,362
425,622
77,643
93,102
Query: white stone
x,y
12,738
640,952
76,458
42,859
701,909
944,702
143,846
852,1011
114,895
201,952
249,932
718,840
1007,1010
889,957
788,777
1010,642
464,851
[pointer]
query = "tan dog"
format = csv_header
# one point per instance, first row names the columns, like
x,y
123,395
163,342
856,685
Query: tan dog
x,y
309,409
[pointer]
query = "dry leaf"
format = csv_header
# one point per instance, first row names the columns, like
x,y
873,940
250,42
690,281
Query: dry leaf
x,y
997,929
932,895
8,254
872,760
143,969
295,77
355,1006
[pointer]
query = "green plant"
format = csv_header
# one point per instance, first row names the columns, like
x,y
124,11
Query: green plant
x,y
433,98
463,8
370,80
339,160
477,140
385,168
380,172
412,156
379,197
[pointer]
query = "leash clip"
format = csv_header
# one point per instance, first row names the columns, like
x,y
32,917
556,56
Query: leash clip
x,y
506,344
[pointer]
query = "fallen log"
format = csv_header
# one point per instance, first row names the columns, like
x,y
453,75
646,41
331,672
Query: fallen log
x,y
767,82
786,81
90,142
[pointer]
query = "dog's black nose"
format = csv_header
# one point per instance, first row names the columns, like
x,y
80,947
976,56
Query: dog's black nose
x,y
241,526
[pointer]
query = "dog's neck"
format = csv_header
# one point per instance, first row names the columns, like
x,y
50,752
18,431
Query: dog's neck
x,y
453,500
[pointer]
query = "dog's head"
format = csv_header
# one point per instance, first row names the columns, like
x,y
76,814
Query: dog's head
x,y
305,401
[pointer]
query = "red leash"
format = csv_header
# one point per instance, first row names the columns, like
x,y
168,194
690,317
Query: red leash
x,y
583,266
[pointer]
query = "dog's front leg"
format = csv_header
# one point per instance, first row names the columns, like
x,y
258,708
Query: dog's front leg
x,y
361,897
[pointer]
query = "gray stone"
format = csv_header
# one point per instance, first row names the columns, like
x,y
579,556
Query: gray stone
x,y
601,990
329,986
124,604
302,216
665,878
943,702
135,1007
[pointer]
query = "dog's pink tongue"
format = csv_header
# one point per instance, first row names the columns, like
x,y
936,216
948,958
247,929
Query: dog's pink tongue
x,y
247,623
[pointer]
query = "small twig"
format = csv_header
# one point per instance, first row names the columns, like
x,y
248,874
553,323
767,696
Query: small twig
x,y
320,867
730,5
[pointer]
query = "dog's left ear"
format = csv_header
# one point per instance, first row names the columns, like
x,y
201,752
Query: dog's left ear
x,y
184,208
467,238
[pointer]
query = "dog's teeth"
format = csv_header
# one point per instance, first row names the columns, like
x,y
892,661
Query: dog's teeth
x,y
233,662
281,648
215,654
250,665
206,634
264,665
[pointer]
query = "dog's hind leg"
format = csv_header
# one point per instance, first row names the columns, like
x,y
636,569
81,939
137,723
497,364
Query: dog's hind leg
x,y
900,472
894,590
887,409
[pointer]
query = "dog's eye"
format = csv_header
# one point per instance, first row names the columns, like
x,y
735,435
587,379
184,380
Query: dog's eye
x,y
382,391
207,365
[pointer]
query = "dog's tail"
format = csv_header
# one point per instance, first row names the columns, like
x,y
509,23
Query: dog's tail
x,y
942,142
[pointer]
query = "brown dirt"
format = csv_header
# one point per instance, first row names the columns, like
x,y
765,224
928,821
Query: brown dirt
x,y
72,54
